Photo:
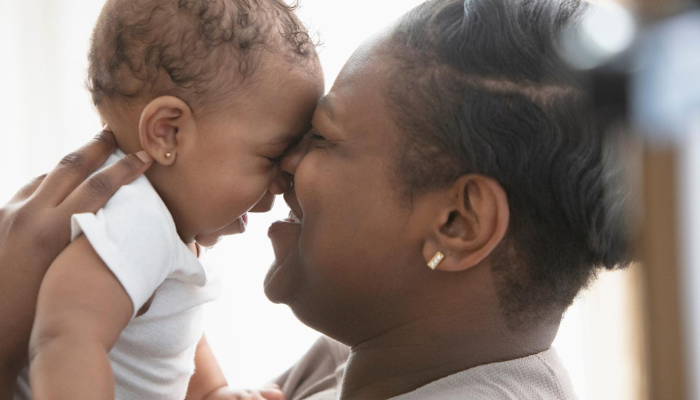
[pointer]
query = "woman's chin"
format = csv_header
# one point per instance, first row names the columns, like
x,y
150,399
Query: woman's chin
x,y
274,286
281,278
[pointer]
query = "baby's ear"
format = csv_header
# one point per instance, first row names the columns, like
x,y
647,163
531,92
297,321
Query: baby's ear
x,y
165,122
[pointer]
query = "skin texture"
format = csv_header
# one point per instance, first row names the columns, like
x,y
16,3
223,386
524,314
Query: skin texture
x,y
218,167
355,267
223,161
36,221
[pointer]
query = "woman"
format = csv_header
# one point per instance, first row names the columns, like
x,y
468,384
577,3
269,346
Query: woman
x,y
452,198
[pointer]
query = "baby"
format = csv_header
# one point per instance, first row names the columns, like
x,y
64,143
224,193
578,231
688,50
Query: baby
x,y
214,91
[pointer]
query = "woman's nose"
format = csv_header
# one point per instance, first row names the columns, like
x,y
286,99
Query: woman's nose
x,y
281,183
288,167
291,160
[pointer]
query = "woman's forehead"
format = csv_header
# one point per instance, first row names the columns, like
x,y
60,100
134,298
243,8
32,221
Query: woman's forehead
x,y
366,56
364,79
356,115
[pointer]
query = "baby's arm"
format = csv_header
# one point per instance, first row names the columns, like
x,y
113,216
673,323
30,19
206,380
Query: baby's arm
x,y
81,311
209,383
207,373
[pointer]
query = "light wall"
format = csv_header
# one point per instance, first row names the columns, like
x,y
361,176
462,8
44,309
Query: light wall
x,y
45,112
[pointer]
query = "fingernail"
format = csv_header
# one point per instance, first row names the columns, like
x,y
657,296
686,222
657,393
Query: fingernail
x,y
144,157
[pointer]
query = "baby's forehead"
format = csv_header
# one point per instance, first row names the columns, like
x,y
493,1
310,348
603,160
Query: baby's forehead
x,y
277,109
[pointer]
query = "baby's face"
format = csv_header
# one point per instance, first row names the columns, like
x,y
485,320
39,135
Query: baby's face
x,y
233,162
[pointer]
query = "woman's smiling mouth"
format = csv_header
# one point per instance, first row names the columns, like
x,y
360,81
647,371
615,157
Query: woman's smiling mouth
x,y
284,236
293,218
295,212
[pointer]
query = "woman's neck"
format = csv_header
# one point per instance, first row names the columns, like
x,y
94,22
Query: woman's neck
x,y
415,354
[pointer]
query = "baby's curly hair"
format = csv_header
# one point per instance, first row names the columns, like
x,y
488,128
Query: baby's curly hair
x,y
197,50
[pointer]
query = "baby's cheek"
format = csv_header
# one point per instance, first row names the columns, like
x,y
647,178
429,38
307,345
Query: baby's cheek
x,y
236,202
254,190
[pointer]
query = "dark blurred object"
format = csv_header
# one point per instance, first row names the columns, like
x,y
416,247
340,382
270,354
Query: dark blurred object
x,y
601,46
609,90
666,88
665,109
648,77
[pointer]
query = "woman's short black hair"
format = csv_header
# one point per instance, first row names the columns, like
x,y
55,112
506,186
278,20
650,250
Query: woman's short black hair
x,y
480,87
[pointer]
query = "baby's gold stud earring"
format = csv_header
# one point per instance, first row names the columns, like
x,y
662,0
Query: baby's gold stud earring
x,y
168,155
436,260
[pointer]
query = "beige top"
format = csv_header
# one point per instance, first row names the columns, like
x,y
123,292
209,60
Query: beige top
x,y
318,376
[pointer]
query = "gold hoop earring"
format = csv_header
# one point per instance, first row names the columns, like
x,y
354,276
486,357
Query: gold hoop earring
x,y
436,260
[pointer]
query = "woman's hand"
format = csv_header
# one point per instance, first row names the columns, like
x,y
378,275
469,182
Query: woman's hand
x,y
35,228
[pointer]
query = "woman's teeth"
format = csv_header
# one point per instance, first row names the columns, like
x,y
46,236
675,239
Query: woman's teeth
x,y
293,218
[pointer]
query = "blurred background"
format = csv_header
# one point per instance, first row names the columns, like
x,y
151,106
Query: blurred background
x,y
45,112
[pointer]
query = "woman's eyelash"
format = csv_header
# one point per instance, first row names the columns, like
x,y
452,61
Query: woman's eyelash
x,y
319,141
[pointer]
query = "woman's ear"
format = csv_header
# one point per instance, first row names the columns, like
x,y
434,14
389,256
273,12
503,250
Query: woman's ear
x,y
470,226
165,122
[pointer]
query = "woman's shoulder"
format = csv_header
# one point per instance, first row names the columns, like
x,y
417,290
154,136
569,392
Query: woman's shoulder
x,y
538,376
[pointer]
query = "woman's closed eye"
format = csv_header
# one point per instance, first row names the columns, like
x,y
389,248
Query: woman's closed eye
x,y
317,140
289,148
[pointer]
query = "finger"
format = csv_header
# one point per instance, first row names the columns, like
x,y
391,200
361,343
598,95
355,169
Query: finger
x,y
75,167
245,395
272,394
92,194
255,395
28,189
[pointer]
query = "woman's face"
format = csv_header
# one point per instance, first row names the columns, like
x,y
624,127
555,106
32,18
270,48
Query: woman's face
x,y
357,236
